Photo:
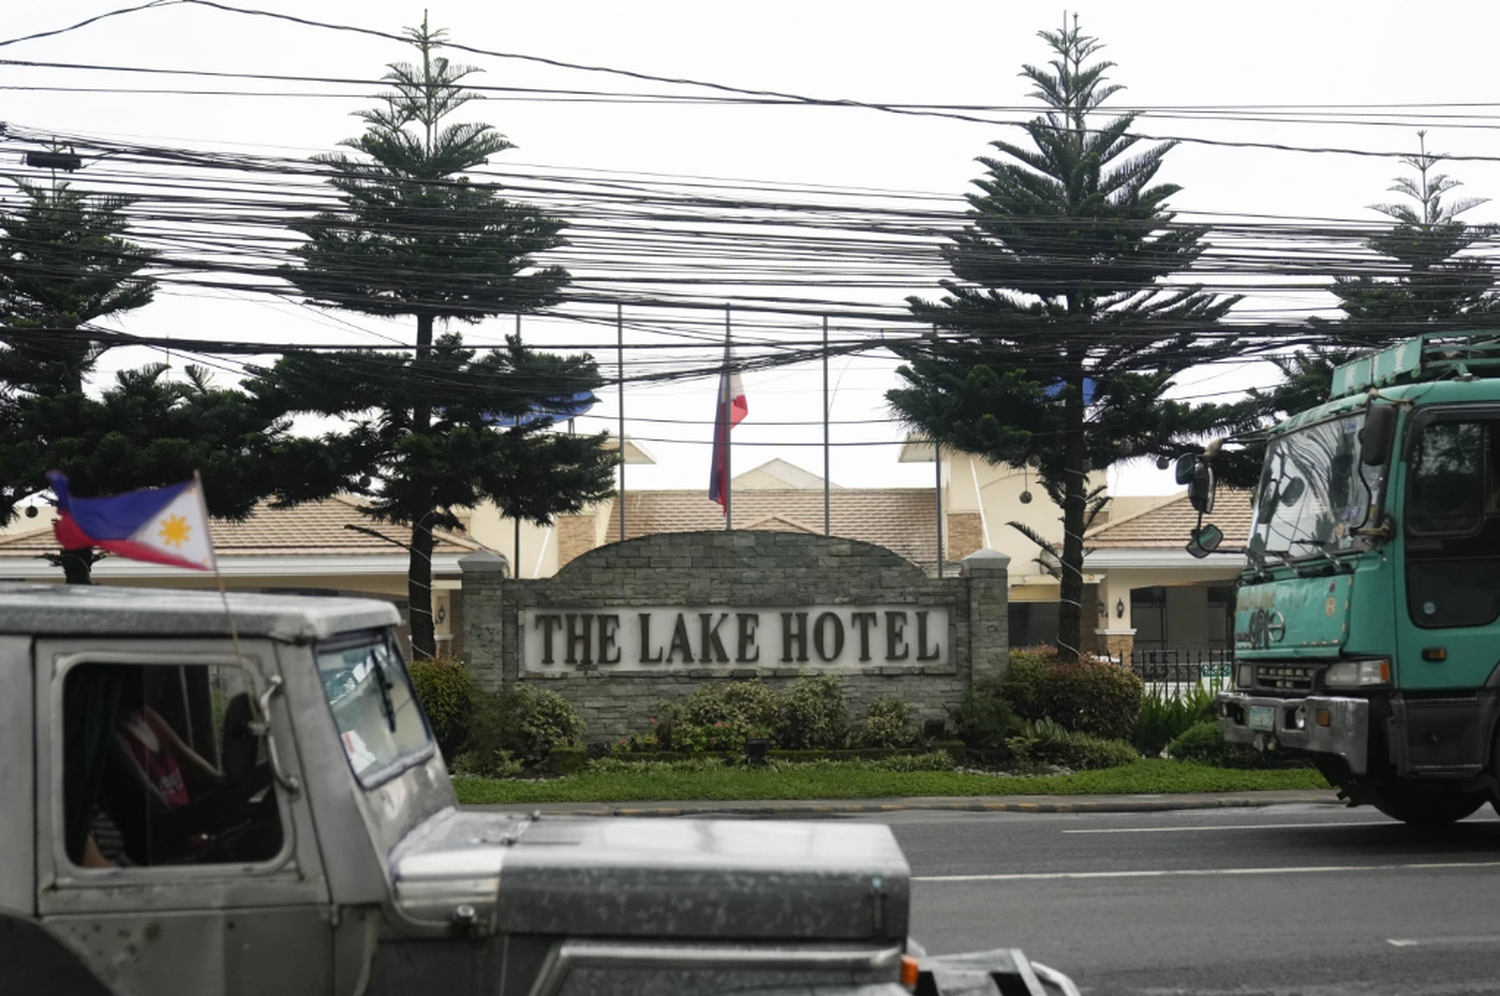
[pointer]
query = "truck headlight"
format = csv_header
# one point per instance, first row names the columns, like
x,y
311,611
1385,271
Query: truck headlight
x,y
1357,674
1244,676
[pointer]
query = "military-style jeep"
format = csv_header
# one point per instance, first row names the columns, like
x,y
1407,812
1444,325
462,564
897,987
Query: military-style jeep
x,y
187,812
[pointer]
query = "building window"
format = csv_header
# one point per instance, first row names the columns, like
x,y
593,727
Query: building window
x,y
1221,617
1148,615
1033,624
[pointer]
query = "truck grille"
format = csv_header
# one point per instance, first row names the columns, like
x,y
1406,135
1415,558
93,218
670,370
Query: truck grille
x,y
1288,677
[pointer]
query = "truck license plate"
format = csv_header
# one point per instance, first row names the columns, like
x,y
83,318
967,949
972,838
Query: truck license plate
x,y
1262,717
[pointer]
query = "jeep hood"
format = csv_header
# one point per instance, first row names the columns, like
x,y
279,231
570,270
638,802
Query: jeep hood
x,y
668,878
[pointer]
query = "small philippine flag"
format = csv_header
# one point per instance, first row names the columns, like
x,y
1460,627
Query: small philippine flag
x,y
161,525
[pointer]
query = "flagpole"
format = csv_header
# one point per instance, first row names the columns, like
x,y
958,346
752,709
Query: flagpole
x,y
620,360
827,516
725,401
234,631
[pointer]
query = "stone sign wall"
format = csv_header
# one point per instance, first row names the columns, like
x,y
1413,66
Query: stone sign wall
x,y
623,628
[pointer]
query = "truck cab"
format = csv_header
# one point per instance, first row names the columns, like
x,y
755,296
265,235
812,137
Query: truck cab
x,y
1367,621
209,795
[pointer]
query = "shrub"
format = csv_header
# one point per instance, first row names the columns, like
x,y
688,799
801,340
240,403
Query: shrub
x,y
486,764
738,710
1205,742
446,690
525,722
1092,696
1022,685
887,724
1165,716
984,718
1046,742
814,714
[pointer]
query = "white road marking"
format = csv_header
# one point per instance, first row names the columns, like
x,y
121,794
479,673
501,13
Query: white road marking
x,y
1469,939
1245,826
1205,872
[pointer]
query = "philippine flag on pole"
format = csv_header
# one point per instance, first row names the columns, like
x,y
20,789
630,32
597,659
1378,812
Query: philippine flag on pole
x,y
732,397
160,525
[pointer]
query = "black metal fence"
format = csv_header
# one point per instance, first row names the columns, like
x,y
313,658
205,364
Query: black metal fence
x,y
1180,667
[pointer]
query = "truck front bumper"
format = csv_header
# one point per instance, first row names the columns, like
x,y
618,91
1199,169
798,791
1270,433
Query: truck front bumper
x,y
1319,724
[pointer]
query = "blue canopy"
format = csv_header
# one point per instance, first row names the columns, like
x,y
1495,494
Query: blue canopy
x,y
1090,390
556,409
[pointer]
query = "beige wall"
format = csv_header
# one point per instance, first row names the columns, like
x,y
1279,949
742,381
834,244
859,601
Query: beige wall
x,y
993,494
538,556
1115,587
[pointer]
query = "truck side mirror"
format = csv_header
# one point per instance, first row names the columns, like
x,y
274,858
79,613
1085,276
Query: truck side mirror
x,y
1377,435
1201,488
1185,466
1205,541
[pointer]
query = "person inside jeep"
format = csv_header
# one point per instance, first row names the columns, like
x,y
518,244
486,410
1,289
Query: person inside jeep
x,y
142,792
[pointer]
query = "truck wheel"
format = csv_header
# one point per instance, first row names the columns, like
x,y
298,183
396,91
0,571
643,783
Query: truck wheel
x,y
1427,809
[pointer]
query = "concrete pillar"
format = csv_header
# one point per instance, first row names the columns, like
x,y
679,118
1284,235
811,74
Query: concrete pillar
x,y
484,575
988,573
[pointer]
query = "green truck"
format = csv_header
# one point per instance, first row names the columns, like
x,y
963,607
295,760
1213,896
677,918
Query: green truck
x,y
1367,622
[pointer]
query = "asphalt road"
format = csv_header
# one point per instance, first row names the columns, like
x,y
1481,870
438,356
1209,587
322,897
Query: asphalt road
x,y
1305,900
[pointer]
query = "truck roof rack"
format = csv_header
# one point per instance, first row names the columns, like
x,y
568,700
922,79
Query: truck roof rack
x,y
1426,357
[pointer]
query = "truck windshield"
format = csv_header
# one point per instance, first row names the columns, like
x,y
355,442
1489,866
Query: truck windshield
x,y
1311,495
378,718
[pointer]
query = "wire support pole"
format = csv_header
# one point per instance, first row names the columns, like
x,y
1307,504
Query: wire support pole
x,y
620,386
827,502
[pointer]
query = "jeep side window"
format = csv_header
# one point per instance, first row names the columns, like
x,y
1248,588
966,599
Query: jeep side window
x,y
160,767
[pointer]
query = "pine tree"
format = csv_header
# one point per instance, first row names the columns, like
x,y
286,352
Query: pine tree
x,y
459,458
1057,340
63,265
1435,285
415,237
1434,288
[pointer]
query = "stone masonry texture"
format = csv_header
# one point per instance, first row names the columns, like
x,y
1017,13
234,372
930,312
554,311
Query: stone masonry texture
x,y
749,569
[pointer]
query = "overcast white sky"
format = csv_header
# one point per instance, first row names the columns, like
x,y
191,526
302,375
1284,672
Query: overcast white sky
x,y
941,51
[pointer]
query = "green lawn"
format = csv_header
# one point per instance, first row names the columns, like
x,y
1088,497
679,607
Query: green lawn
x,y
844,781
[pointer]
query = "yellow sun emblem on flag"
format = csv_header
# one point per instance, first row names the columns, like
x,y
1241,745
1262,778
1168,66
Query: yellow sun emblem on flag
x,y
174,530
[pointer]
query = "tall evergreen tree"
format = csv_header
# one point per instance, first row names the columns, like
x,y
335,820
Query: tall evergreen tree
x,y
1434,284
64,263
459,457
1057,340
1433,287
414,236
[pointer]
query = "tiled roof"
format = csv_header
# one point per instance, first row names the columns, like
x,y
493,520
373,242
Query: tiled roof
x,y
900,519
313,528
1171,523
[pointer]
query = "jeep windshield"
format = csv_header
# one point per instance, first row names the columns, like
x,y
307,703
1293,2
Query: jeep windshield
x,y
1314,493
379,722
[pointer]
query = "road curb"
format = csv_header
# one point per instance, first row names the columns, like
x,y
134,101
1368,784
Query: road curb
x,y
1160,804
